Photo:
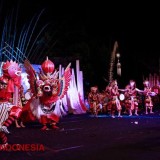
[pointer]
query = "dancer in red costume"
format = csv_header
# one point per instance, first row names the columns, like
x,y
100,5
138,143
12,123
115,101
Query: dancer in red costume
x,y
10,109
132,92
127,101
94,101
47,89
148,99
114,102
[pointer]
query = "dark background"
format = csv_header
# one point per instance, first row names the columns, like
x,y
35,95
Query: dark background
x,y
87,31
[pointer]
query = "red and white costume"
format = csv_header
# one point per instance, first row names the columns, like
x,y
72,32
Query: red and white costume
x,y
132,91
47,89
114,103
148,99
10,108
127,100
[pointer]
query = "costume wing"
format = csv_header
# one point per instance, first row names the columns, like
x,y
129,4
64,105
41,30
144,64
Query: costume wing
x,y
64,82
31,75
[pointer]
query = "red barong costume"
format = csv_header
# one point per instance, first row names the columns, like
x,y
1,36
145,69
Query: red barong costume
x,y
46,90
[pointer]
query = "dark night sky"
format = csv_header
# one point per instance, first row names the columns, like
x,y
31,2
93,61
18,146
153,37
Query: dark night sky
x,y
135,26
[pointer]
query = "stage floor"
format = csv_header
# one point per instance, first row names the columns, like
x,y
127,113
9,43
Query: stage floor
x,y
84,137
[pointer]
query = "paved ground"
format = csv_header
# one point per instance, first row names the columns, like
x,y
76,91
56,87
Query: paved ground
x,y
83,137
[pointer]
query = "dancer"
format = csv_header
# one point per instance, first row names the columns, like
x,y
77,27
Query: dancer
x,y
10,109
114,103
93,100
132,92
46,91
148,99
127,101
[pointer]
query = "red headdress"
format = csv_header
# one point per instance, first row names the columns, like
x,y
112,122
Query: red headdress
x,y
132,83
12,71
94,89
146,83
47,67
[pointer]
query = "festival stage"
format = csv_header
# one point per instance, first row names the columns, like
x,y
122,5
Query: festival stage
x,y
84,137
